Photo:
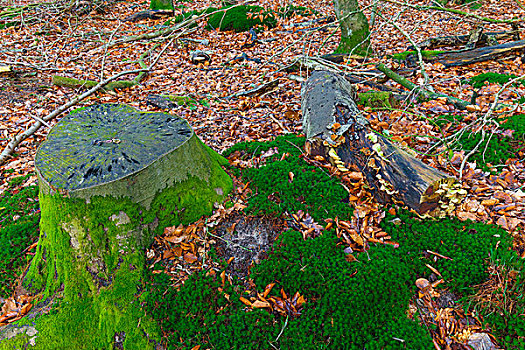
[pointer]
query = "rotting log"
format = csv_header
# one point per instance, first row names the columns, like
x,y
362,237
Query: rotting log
x,y
337,130
110,178
461,40
482,54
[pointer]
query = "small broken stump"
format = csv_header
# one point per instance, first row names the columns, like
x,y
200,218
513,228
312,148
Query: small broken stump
x,y
336,130
110,178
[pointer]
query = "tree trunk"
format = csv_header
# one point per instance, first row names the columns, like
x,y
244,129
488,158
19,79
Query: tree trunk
x,y
354,28
110,178
336,130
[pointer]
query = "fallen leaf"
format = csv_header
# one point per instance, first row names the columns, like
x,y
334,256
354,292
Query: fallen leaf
x,y
190,257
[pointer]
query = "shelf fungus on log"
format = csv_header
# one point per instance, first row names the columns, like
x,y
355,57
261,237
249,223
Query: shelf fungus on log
x,y
337,130
110,178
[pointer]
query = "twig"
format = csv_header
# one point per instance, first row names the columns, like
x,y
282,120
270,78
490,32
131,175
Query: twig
x,y
285,130
41,121
457,12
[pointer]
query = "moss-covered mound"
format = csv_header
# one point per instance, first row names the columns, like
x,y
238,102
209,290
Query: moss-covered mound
x,y
497,148
286,183
349,304
19,217
425,53
492,78
242,18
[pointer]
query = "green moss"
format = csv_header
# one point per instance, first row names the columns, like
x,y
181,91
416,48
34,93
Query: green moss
x,y
275,193
241,18
79,83
19,217
480,80
496,148
403,55
381,99
349,305
467,244
357,42
199,314
161,4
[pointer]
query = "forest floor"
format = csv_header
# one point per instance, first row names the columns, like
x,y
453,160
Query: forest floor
x,y
70,45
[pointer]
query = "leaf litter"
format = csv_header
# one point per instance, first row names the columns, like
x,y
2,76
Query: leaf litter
x,y
236,105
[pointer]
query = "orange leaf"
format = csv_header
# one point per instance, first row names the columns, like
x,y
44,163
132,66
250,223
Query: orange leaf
x,y
245,301
268,289
196,347
190,257
260,304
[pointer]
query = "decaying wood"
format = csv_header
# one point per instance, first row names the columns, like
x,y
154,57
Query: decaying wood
x,y
461,40
336,130
463,58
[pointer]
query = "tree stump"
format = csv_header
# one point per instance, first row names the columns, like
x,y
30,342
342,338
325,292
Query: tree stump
x,y
336,130
110,178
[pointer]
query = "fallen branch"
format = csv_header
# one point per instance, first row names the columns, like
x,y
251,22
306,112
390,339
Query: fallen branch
x,y
336,130
458,103
463,58
455,11
461,40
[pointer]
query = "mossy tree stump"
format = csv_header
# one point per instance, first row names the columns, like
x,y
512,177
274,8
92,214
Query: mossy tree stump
x,y
110,178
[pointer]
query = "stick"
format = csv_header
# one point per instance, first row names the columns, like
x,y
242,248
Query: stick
x,y
459,104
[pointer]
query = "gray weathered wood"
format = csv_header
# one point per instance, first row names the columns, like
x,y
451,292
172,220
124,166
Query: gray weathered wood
x,y
392,173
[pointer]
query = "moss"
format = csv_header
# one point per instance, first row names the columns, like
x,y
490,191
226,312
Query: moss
x,y
79,83
467,244
481,80
349,305
357,41
19,217
381,99
161,4
241,18
403,55
497,148
275,193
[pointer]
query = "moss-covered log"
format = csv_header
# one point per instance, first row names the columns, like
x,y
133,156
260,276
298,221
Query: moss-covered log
x,y
461,40
336,129
110,178
482,54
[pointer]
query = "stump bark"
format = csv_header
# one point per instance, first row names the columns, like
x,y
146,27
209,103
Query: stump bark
x,y
110,178
336,130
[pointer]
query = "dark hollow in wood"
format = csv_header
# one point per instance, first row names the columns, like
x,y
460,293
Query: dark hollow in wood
x,y
392,173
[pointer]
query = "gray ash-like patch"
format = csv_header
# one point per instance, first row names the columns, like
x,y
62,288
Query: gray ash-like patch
x,y
247,243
